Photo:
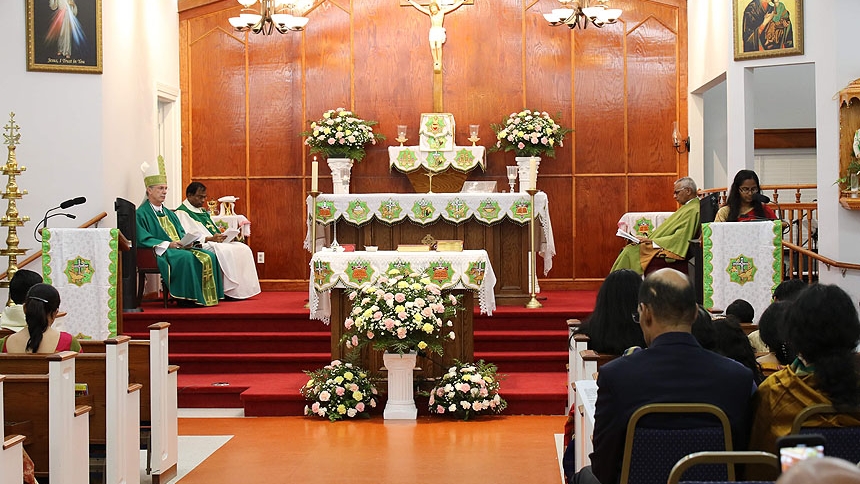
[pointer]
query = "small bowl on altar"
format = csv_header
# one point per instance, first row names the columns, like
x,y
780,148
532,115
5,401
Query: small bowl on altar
x,y
371,248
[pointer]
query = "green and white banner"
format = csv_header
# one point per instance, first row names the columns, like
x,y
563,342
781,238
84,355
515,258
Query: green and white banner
x,y
82,265
742,260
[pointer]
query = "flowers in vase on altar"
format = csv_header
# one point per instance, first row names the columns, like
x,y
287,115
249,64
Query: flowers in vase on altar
x,y
341,134
339,390
529,133
400,312
468,389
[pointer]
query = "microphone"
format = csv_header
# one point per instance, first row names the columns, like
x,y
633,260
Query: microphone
x,y
758,197
72,202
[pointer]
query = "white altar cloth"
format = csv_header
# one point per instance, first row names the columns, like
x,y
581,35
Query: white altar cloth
x,y
469,269
642,223
425,208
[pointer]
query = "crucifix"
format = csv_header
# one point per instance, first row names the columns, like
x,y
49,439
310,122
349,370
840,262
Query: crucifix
x,y
437,37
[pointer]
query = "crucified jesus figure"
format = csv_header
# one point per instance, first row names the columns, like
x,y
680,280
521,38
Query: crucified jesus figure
x,y
437,31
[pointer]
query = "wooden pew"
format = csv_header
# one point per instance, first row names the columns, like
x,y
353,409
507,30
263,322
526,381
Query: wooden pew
x,y
58,436
12,453
592,361
115,404
158,400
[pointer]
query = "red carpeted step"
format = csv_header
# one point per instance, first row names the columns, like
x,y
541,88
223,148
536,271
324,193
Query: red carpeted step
x,y
243,343
496,341
249,363
525,361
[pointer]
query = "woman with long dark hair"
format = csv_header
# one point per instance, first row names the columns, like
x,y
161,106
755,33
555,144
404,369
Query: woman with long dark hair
x,y
824,330
742,204
611,328
41,308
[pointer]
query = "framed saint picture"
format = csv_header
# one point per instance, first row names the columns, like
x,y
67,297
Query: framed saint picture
x,y
64,36
767,28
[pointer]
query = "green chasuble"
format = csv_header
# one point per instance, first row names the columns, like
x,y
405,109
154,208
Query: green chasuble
x,y
202,217
673,236
192,274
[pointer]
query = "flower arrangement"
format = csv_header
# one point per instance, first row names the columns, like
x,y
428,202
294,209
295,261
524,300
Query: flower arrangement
x,y
340,134
339,390
400,312
529,133
468,389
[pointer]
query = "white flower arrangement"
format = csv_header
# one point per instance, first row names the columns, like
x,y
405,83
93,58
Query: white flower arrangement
x,y
467,389
339,390
529,133
341,134
400,312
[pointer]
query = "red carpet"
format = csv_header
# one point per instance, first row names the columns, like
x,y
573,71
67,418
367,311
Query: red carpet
x,y
251,353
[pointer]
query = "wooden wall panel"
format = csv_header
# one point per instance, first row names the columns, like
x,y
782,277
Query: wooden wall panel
x,y
619,87
599,206
652,92
217,97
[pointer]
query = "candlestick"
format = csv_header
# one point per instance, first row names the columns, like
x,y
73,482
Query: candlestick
x,y
532,173
315,173
533,302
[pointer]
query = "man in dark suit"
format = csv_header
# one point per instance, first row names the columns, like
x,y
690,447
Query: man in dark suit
x,y
673,369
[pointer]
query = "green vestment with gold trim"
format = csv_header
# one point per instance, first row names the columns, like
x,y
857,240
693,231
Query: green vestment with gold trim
x,y
192,274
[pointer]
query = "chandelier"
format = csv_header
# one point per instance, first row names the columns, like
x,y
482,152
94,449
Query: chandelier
x,y
579,13
273,15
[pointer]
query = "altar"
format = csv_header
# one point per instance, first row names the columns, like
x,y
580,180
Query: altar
x,y
465,273
495,222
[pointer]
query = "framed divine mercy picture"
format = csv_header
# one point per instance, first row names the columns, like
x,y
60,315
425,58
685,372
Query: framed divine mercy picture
x,y
64,36
767,28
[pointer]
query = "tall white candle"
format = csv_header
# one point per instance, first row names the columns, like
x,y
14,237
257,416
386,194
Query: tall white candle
x,y
532,173
315,172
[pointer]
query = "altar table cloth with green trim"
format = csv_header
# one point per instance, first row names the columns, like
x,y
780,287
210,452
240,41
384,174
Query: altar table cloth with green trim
x,y
469,269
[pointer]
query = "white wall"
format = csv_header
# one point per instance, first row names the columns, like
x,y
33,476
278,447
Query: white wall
x,y
86,134
829,44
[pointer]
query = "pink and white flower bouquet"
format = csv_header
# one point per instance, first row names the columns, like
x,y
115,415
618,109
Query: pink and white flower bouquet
x,y
468,389
338,391
341,134
400,312
529,133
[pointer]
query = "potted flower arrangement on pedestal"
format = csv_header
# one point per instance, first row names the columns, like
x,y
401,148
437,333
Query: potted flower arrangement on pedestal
x,y
400,313
530,135
339,390
466,390
341,137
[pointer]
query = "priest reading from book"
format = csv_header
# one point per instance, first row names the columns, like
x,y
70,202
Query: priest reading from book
x,y
192,273
236,259
671,239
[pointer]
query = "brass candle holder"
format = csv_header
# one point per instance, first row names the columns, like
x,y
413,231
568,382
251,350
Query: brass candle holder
x,y
533,303
313,242
12,220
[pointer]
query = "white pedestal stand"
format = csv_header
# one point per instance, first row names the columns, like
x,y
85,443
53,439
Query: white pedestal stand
x,y
401,397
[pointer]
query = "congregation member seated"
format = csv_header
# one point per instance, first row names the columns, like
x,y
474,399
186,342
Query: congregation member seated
x,y
671,240
237,263
192,274
785,291
610,328
824,330
773,328
12,317
672,369
732,342
41,308
745,313
743,203
703,329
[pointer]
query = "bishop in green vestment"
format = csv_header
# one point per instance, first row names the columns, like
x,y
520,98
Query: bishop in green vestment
x,y
672,238
191,274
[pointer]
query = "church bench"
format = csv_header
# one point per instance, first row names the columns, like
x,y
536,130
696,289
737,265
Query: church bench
x,y
158,400
592,361
58,430
115,404
12,453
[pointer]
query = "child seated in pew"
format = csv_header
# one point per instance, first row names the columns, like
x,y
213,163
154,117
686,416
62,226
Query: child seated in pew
x,y
12,317
41,308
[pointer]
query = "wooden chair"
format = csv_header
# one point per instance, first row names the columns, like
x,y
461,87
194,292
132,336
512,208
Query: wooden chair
x,y
146,264
842,441
727,457
650,453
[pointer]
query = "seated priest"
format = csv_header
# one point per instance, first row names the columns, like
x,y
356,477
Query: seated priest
x,y
671,239
192,274
235,258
